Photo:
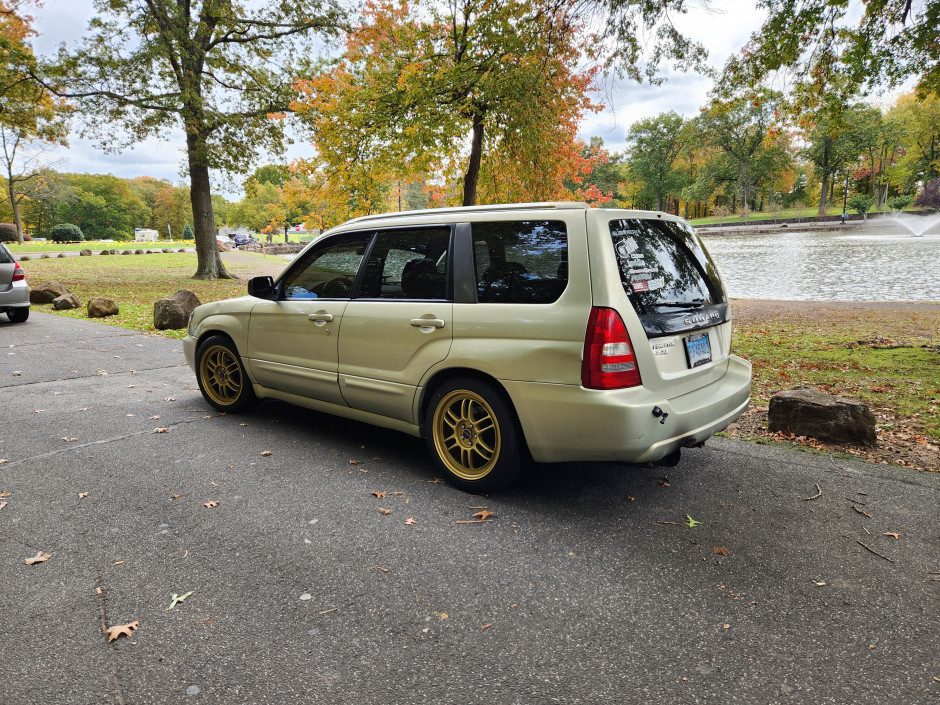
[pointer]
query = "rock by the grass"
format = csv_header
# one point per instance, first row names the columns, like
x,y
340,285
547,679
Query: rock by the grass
x,y
85,253
172,313
66,301
47,292
101,306
811,412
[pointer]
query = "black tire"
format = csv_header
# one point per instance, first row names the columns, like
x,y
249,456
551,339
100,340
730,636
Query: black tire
x,y
222,377
473,435
18,315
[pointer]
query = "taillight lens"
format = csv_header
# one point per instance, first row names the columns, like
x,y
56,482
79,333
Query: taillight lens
x,y
18,273
609,362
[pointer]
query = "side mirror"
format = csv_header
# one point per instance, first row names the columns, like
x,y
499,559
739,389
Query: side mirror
x,y
261,287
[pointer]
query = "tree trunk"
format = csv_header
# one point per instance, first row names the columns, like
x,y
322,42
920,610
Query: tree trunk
x,y
472,176
14,204
208,262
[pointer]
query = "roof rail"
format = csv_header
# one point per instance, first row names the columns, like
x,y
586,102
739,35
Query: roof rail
x,y
495,208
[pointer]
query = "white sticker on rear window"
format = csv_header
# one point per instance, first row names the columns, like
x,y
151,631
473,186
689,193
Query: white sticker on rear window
x,y
625,247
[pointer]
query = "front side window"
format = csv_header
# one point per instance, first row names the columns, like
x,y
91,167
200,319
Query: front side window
x,y
327,272
407,263
520,261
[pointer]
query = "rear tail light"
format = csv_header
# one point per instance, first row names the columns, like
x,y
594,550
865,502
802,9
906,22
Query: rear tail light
x,y
18,273
609,362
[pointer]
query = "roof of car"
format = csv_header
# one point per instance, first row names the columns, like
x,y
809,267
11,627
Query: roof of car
x,y
495,208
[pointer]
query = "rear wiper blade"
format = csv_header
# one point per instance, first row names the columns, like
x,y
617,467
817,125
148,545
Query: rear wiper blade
x,y
694,303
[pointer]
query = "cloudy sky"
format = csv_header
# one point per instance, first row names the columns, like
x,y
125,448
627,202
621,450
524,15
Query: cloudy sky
x,y
723,27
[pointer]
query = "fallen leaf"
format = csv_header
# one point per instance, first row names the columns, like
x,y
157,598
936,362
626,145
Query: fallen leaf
x,y
379,495
485,627
155,417
176,599
690,522
176,496
17,373
161,429
118,563
385,511
120,630
39,411
170,399
485,514
410,521
267,452
5,494
893,534
820,584
720,550
384,570
131,386
69,440
85,409
82,495
726,626
213,503
354,462
3,504
3,460
40,557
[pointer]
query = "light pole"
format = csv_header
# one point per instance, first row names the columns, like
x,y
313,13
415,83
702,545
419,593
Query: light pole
x,y
845,195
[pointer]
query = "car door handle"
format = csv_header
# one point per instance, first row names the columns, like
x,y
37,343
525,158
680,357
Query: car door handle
x,y
322,316
427,322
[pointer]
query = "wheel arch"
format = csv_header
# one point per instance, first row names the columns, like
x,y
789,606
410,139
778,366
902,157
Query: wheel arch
x,y
441,377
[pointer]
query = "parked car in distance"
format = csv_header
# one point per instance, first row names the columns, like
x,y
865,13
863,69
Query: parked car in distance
x,y
241,240
551,331
225,240
14,291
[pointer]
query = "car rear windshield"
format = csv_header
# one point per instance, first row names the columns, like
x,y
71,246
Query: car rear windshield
x,y
666,273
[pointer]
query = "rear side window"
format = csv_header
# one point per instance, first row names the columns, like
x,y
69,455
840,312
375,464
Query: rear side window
x,y
407,264
668,276
520,261
5,257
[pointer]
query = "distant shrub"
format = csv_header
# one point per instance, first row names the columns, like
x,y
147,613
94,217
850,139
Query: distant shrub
x,y
188,233
861,204
8,233
66,232
930,196
899,203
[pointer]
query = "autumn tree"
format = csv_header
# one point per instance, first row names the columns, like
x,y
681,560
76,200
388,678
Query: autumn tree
x,y
860,45
30,114
217,69
419,81
654,145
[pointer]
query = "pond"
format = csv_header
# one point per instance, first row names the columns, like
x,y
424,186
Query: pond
x,y
878,261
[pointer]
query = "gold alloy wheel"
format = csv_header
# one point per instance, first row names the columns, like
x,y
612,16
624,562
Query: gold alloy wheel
x,y
466,434
221,375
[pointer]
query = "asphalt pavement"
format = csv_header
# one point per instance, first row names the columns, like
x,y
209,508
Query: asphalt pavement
x,y
803,578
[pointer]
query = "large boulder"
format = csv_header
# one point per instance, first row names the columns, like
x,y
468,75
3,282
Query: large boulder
x,y
66,301
811,412
85,253
172,313
101,306
47,292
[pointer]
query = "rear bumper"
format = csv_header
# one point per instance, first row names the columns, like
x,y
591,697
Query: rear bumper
x,y
564,423
15,296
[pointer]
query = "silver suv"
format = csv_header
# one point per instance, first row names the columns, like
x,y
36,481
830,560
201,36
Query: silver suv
x,y
14,292
549,331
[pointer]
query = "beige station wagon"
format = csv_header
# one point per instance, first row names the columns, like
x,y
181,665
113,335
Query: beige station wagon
x,y
549,331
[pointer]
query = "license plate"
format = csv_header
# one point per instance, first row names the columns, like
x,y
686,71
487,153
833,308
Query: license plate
x,y
698,350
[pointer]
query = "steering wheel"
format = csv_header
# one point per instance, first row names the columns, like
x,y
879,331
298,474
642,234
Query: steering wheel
x,y
337,288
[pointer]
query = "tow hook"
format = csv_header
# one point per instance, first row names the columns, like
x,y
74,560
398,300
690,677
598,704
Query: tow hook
x,y
660,414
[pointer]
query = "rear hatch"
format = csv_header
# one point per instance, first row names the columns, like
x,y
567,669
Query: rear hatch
x,y
674,293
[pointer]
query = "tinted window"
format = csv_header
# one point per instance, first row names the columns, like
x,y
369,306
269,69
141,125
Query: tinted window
x,y
407,264
520,261
5,256
663,266
326,272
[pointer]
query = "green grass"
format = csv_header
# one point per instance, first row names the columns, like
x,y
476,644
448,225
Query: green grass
x,y
134,282
891,365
